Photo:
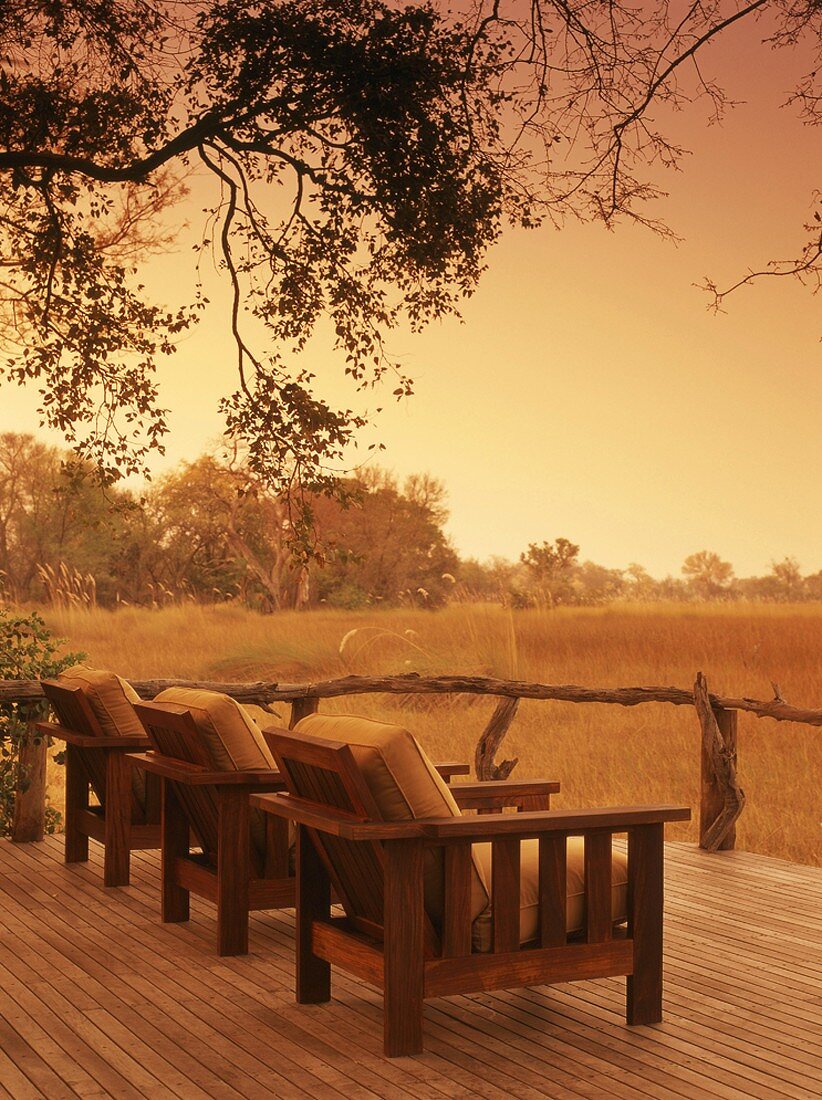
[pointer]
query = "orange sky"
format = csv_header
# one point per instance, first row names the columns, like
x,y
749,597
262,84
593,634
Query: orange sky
x,y
589,393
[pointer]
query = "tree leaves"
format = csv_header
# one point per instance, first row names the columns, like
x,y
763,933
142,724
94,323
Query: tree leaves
x,y
27,652
364,157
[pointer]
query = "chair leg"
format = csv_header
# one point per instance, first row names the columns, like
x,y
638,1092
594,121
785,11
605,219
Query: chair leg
x,y
403,949
233,871
174,843
645,902
76,804
313,902
117,820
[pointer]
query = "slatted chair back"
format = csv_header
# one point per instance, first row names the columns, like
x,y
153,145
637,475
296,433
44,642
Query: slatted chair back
x,y
74,713
325,773
172,731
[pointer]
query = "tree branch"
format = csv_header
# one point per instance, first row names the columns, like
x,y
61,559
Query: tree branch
x,y
137,171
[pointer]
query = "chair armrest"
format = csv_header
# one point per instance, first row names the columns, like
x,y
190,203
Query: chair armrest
x,y
449,768
495,794
84,741
568,822
335,822
195,776
445,829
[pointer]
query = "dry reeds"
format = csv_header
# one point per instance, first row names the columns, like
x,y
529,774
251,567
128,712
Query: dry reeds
x,y
160,595
68,588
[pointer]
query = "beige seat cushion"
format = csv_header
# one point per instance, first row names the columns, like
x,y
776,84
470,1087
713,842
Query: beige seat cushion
x,y
404,784
230,736
529,890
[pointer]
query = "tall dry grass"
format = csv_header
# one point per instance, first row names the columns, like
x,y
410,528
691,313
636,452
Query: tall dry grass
x,y
602,754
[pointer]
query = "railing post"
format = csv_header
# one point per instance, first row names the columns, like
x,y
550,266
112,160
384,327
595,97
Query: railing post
x,y
712,798
491,739
29,822
301,708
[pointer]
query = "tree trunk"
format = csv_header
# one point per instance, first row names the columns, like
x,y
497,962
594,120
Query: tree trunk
x,y
303,597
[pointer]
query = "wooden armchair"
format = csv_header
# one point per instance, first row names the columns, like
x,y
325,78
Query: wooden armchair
x,y
399,936
127,816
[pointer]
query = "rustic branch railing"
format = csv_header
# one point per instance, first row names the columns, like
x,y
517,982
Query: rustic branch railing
x,y
721,798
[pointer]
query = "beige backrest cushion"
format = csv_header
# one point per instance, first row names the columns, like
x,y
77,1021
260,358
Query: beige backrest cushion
x,y
230,736
529,890
110,697
404,784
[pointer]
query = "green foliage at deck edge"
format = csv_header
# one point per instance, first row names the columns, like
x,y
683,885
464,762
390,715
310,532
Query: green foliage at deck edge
x,y
27,652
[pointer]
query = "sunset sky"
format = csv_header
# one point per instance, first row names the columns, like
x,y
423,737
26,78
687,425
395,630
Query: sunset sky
x,y
589,392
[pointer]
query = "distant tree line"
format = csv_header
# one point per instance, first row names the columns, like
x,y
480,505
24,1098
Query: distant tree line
x,y
211,531
551,574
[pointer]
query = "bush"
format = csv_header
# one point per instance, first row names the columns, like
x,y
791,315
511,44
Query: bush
x,y
27,652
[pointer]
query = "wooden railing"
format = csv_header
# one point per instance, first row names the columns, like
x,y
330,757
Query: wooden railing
x,y
721,798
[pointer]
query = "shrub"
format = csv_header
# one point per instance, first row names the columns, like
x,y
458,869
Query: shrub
x,y
27,652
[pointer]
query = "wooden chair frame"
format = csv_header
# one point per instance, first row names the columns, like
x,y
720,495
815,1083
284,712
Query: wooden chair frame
x,y
377,870
97,763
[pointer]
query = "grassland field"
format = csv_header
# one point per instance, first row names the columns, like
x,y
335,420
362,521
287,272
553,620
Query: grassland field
x,y
603,754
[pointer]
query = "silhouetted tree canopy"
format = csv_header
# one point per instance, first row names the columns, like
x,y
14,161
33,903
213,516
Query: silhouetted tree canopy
x,y
364,156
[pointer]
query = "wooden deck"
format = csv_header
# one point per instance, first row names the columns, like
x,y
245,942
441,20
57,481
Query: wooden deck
x,y
98,999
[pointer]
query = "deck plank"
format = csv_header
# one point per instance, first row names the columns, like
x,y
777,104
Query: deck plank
x,y
98,999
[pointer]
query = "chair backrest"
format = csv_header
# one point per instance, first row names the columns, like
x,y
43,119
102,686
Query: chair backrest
x,y
101,705
405,786
172,731
72,708
228,733
110,697
74,713
326,774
